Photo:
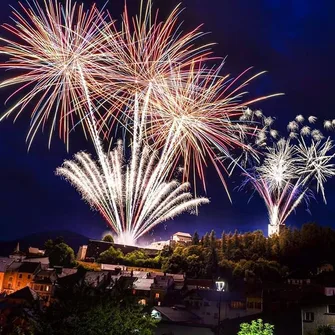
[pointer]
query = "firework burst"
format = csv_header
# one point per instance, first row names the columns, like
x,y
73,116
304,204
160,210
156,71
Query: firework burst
x,y
57,50
135,197
290,169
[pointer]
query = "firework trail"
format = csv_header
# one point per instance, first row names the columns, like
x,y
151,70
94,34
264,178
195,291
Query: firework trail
x,y
76,65
288,171
58,51
135,197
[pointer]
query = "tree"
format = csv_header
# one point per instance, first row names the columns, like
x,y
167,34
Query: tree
x,y
111,255
91,311
205,240
325,330
61,254
195,238
223,242
212,239
108,238
256,327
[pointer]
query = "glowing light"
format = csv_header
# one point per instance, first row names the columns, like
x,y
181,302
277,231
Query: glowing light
x,y
284,177
135,197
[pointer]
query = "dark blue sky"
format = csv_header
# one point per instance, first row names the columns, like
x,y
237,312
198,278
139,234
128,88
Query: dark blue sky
x,y
294,40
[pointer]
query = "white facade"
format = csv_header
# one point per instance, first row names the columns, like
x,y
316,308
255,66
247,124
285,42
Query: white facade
x,y
158,245
82,253
274,229
182,237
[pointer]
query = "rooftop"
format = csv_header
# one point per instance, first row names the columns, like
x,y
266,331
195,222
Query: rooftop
x,y
183,234
4,263
26,293
177,314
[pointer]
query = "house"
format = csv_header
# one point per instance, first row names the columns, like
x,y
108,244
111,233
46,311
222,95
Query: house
x,y
212,306
326,281
182,237
19,275
142,289
35,251
299,277
44,261
160,288
17,254
17,308
199,284
318,313
44,285
4,263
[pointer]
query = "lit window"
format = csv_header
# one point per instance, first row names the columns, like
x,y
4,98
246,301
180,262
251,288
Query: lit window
x,y
142,302
47,288
157,295
309,316
134,292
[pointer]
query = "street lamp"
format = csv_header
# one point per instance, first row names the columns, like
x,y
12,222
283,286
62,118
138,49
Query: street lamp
x,y
220,286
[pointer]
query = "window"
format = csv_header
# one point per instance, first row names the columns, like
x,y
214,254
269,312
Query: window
x,y
29,276
9,285
47,288
237,305
18,284
134,292
331,309
20,275
37,287
10,279
309,316
157,295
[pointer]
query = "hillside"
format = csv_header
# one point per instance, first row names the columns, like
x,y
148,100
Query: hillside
x,y
74,240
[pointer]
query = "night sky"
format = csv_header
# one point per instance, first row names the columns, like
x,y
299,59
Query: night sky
x,y
293,40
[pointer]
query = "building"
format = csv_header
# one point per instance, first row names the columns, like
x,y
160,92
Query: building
x,y
4,263
212,306
81,255
142,289
158,245
275,229
36,252
182,237
17,308
44,285
299,278
160,288
19,275
17,254
316,314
